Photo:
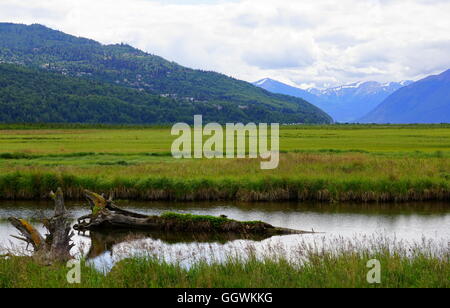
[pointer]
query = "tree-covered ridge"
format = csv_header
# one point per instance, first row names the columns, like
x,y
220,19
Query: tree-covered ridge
x,y
39,47
36,96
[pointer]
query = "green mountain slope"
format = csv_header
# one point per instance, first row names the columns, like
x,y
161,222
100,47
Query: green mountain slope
x,y
231,100
32,95
29,95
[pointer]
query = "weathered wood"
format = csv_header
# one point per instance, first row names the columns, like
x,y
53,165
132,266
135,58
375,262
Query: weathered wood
x,y
105,215
30,235
59,227
56,245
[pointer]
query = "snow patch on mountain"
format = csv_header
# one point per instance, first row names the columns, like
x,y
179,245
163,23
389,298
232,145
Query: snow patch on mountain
x,y
345,103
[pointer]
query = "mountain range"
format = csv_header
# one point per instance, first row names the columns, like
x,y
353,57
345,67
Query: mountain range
x,y
49,76
100,74
346,103
425,101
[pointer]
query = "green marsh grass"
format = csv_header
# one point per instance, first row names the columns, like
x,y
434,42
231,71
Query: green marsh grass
x,y
403,265
316,177
321,163
370,138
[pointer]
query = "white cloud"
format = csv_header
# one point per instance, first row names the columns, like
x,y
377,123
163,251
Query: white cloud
x,y
321,42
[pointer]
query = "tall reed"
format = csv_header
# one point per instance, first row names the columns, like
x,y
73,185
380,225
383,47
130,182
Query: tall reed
x,y
34,186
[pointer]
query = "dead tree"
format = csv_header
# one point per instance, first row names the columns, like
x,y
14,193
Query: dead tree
x,y
106,215
56,245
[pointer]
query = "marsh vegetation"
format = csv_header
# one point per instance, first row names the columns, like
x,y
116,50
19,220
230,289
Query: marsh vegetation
x,y
342,264
324,163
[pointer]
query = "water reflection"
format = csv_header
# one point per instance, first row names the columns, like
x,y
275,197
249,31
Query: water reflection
x,y
408,222
104,242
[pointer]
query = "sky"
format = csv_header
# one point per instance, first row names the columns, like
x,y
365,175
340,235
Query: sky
x,y
320,43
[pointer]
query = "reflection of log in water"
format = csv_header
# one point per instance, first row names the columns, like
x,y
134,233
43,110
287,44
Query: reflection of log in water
x,y
102,242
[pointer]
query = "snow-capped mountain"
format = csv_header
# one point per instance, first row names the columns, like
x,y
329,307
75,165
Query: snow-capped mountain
x,y
345,103
361,89
275,86
349,102
425,101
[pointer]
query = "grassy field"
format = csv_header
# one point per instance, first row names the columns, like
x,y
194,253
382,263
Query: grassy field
x,y
319,163
326,163
370,138
402,266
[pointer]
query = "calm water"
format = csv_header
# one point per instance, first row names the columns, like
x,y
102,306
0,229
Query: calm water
x,y
407,222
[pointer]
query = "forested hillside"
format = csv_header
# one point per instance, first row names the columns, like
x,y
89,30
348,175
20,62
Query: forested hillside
x,y
221,97
30,95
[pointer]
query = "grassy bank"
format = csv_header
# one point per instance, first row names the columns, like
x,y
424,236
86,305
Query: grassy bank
x,y
36,185
323,163
343,268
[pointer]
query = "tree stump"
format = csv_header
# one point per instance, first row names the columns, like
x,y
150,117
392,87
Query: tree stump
x,y
54,246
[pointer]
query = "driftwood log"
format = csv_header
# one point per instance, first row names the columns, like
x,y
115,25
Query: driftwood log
x,y
106,215
56,245
108,219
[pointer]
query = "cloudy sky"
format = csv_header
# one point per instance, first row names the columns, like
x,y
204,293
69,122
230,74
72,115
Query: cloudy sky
x,y
301,42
